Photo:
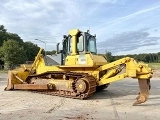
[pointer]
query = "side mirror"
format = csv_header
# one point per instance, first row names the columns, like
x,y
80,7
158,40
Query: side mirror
x,y
64,36
58,51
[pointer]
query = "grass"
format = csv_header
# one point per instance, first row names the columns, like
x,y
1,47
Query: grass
x,y
154,65
3,71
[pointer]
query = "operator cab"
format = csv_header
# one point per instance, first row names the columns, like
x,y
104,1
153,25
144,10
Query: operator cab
x,y
81,43
85,43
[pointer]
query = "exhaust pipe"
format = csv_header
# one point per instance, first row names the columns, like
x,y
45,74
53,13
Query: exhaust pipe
x,y
58,48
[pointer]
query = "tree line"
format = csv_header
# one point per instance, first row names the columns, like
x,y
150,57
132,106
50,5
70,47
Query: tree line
x,y
145,57
13,50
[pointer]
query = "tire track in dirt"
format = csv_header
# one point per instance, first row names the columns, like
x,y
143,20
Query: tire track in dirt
x,y
114,108
61,103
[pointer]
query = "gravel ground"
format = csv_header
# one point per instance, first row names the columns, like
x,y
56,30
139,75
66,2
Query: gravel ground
x,y
113,103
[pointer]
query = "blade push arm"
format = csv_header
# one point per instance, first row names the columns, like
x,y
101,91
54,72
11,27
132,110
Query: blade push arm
x,y
132,69
36,59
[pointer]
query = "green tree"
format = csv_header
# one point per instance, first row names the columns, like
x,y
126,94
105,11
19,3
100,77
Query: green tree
x,y
1,61
158,54
13,53
31,50
109,56
2,28
13,36
4,35
51,52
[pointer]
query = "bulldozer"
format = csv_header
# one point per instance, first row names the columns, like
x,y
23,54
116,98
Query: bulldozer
x,y
78,71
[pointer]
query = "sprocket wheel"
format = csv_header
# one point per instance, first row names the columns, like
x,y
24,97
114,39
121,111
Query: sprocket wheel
x,y
85,87
82,86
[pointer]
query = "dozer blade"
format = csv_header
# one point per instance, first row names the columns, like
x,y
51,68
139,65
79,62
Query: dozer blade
x,y
9,84
144,85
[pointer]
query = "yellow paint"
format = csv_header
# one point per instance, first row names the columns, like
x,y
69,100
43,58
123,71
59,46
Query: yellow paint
x,y
80,86
90,60
112,79
74,33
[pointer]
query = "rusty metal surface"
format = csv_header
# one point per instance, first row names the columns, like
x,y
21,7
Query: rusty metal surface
x,y
144,86
29,87
9,84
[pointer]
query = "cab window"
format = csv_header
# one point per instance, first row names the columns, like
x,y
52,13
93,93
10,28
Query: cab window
x,y
92,45
80,43
70,44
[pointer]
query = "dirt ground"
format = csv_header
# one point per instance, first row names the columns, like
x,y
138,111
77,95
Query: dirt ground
x,y
113,103
156,73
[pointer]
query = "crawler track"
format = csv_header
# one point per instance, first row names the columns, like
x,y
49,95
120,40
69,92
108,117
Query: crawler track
x,y
74,93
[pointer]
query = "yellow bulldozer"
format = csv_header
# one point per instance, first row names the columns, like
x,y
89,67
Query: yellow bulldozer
x,y
79,71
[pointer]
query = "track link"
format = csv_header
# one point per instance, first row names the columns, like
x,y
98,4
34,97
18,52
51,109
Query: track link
x,y
89,80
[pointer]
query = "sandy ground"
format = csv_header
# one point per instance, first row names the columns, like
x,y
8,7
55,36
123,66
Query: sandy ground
x,y
113,103
156,73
